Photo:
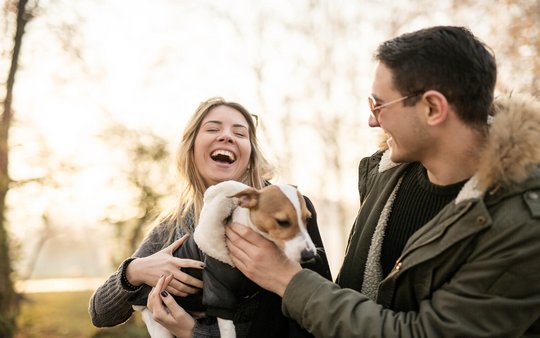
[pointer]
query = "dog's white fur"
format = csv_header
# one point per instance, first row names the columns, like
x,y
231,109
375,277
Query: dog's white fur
x,y
210,237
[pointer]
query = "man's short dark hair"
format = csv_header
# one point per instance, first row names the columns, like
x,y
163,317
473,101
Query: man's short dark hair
x,y
448,59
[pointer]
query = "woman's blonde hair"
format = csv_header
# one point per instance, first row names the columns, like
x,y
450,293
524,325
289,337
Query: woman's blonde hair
x,y
191,182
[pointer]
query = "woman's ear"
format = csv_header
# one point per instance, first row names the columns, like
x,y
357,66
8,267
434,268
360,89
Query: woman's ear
x,y
437,105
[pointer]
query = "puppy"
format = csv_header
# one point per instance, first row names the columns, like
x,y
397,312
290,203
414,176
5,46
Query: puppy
x,y
277,212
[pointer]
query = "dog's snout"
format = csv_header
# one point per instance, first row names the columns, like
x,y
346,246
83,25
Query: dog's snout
x,y
307,255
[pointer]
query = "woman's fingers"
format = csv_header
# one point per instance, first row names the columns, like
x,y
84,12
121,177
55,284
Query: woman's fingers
x,y
154,302
171,305
174,318
186,285
188,263
183,283
176,244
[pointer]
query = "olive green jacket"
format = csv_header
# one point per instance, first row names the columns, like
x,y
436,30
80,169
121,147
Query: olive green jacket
x,y
471,271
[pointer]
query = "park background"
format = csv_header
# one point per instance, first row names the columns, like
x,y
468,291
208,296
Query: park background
x,y
96,93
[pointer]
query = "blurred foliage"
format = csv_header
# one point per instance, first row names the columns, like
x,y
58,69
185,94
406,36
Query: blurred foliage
x,y
145,167
65,315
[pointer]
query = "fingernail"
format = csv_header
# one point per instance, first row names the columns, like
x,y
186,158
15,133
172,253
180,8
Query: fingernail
x,y
164,293
203,265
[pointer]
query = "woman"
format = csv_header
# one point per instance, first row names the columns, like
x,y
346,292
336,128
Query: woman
x,y
219,143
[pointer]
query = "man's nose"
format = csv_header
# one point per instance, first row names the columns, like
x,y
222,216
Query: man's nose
x,y
372,122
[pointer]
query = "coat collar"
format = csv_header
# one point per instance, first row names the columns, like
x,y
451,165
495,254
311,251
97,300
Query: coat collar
x,y
511,151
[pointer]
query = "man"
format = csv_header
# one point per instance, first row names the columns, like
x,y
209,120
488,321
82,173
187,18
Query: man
x,y
447,240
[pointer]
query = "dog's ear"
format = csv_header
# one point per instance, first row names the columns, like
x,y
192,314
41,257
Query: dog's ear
x,y
247,198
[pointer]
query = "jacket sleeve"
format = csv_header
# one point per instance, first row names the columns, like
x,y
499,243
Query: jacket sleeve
x,y
110,304
494,294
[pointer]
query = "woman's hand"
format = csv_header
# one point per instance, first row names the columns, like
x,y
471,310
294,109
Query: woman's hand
x,y
167,312
147,270
260,259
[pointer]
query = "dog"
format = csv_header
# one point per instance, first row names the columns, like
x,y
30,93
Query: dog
x,y
277,212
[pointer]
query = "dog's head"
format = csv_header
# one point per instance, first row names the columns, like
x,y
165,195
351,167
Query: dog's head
x,y
280,214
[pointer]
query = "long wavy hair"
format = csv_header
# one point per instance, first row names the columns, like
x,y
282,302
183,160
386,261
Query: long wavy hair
x,y
192,185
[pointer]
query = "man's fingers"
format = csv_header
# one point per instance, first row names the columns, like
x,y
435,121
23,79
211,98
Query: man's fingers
x,y
238,248
243,231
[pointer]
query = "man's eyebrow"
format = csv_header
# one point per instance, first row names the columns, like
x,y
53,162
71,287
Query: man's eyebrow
x,y
376,97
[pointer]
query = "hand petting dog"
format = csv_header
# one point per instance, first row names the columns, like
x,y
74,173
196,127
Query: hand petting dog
x,y
260,259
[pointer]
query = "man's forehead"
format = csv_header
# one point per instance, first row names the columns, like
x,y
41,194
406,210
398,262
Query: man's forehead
x,y
382,80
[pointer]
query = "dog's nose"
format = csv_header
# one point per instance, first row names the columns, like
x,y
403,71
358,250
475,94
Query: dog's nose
x,y
307,255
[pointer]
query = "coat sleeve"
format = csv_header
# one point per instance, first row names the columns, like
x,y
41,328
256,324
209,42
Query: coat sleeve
x,y
110,304
494,294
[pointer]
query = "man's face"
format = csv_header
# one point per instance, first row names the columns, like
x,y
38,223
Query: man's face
x,y
405,131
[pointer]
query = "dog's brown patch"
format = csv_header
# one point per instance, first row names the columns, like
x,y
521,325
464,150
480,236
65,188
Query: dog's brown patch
x,y
273,213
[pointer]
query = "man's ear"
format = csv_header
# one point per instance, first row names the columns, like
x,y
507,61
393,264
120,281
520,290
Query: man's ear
x,y
437,106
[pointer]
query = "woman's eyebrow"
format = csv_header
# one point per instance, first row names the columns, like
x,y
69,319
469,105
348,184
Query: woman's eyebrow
x,y
213,121
237,125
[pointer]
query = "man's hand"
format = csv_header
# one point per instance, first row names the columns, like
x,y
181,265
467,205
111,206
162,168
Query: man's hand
x,y
260,259
147,270
167,312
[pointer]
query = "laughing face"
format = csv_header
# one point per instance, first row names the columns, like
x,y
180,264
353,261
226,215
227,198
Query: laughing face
x,y
406,133
222,146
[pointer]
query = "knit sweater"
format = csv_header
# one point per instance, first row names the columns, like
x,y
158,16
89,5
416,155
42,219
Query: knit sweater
x,y
413,202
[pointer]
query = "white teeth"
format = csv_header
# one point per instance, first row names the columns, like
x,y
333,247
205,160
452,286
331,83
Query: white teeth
x,y
222,152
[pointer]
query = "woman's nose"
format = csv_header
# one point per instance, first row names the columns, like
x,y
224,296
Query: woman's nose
x,y
225,136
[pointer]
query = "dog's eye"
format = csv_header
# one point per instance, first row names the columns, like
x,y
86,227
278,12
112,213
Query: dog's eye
x,y
284,224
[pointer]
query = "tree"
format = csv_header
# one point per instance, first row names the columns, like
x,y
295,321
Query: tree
x,y
8,297
513,33
145,166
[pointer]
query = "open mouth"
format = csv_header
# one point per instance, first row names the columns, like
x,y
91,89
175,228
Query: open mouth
x,y
223,156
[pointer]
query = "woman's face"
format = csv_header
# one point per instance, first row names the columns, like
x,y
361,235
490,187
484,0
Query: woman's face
x,y
222,147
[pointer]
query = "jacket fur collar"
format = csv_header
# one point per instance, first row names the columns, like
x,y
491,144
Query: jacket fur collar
x,y
511,152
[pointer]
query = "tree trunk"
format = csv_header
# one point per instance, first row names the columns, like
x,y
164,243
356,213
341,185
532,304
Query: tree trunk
x,y
8,297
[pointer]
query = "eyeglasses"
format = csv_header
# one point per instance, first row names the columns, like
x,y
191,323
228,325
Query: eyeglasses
x,y
376,109
255,120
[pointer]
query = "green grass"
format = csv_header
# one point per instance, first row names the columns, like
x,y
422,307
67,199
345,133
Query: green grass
x,y
65,315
